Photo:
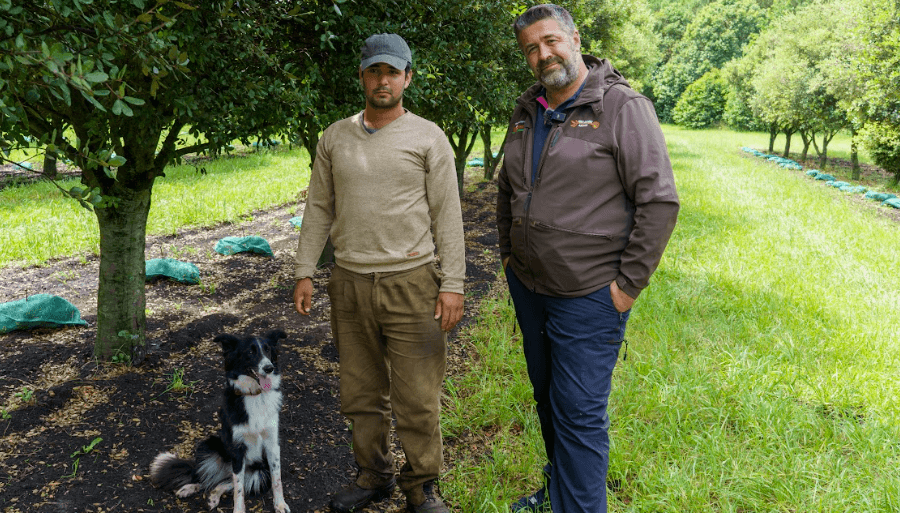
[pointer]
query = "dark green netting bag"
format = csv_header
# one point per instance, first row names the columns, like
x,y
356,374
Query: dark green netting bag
x,y
251,244
824,177
38,311
184,272
893,202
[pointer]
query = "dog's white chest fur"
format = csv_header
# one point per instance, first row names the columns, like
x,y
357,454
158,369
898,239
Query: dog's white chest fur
x,y
262,417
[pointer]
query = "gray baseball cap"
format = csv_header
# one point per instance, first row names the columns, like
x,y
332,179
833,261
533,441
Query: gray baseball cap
x,y
387,48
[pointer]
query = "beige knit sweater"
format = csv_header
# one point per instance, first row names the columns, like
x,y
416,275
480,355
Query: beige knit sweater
x,y
385,198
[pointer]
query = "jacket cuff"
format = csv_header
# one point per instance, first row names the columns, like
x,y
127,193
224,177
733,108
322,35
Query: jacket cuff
x,y
627,287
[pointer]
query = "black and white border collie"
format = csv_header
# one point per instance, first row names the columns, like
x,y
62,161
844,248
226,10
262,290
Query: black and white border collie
x,y
245,456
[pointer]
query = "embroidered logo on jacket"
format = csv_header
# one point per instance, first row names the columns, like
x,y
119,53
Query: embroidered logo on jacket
x,y
584,123
520,127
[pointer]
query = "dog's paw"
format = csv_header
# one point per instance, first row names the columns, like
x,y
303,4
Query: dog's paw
x,y
187,490
282,508
247,385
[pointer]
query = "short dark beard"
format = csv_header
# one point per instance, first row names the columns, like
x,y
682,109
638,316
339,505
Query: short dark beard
x,y
371,103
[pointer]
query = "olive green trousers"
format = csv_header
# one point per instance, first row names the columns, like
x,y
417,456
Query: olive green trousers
x,y
393,356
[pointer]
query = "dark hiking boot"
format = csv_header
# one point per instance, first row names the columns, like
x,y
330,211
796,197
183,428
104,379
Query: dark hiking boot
x,y
354,497
534,503
424,499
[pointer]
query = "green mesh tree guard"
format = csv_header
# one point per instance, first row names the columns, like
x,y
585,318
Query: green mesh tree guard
x,y
38,311
184,272
251,244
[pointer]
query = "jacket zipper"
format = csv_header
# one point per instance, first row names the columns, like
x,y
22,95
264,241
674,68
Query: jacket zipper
x,y
553,137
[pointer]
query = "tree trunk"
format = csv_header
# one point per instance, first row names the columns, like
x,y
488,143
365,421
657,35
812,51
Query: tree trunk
x,y
787,142
462,143
818,151
773,133
308,135
49,169
121,303
491,162
854,155
823,157
807,139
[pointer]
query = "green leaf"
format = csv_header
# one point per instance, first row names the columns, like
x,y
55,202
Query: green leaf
x,y
296,10
117,161
117,107
185,6
66,94
134,101
337,10
96,77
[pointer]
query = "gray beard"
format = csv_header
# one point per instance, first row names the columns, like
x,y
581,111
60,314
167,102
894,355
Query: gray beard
x,y
560,78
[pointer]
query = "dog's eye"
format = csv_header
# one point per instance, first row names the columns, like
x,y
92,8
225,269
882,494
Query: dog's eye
x,y
253,350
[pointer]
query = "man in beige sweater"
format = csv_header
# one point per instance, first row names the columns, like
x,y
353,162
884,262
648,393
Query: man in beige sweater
x,y
384,188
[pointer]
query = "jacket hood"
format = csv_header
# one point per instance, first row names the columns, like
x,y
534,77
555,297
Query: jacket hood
x,y
601,76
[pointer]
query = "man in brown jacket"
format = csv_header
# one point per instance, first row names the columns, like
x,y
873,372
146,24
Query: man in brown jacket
x,y
585,208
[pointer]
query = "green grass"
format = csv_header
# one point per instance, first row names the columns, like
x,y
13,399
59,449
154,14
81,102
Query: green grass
x,y
762,362
40,223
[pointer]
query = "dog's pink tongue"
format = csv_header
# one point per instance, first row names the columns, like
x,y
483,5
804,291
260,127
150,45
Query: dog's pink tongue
x,y
266,383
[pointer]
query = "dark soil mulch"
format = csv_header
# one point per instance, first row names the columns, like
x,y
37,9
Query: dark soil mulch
x,y
58,401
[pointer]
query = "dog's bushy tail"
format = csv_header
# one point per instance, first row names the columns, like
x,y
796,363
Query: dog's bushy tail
x,y
170,472
212,467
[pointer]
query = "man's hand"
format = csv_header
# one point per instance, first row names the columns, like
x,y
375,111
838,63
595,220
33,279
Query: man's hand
x,y
504,263
621,301
303,292
449,309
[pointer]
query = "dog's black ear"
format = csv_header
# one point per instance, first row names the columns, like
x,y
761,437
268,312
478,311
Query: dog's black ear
x,y
275,335
229,342
272,339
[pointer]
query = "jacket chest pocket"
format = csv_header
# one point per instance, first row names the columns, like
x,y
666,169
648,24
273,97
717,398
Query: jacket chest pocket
x,y
514,156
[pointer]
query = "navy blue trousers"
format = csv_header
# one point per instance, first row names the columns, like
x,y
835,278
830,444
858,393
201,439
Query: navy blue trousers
x,y
571,347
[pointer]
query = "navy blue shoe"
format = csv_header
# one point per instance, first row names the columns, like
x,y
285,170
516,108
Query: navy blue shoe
x,y
535,503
